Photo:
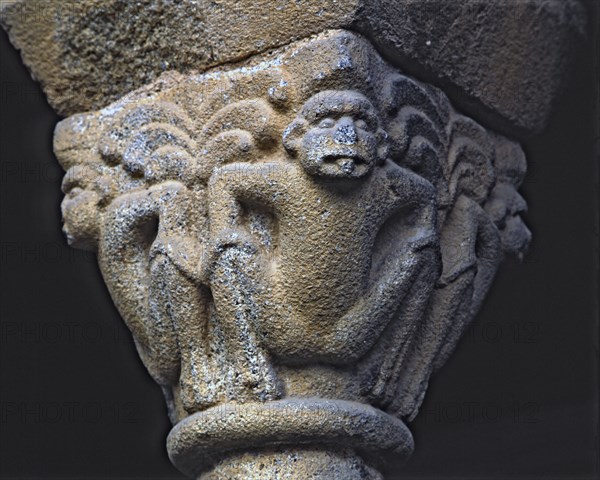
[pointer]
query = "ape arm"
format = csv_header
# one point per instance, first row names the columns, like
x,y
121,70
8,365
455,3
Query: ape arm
x,y
132,227
408,209
234,184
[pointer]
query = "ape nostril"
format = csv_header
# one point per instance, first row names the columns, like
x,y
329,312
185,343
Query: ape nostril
x,y
345,134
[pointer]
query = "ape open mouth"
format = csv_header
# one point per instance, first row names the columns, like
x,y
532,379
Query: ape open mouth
x,y
347,165
346,156
351,165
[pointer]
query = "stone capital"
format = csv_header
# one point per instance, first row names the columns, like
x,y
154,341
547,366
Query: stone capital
x,y
298,208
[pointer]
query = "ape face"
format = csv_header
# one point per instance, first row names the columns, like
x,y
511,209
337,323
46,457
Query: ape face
x,y
505,207
83,188
337,135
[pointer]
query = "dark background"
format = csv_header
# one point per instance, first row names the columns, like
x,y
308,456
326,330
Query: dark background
x,y
517,400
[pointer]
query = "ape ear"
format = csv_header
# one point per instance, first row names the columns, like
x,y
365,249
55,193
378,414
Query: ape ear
x,y
293,134
383,148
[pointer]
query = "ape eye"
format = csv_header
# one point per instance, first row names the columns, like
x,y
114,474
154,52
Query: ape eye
x,y
361,124
326,123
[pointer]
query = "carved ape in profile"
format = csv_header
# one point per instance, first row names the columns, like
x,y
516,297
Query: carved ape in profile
x,y
275,236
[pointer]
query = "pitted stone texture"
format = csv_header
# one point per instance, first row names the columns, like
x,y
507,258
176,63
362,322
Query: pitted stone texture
x,y
276,464
307,234
501,61
213,437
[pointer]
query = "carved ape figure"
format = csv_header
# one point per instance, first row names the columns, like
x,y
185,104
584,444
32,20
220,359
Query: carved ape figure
x,y
317,296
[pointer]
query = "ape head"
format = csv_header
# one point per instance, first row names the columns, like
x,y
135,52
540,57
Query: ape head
x,y
337,135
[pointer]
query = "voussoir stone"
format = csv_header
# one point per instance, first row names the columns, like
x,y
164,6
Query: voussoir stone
x,y
500,61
